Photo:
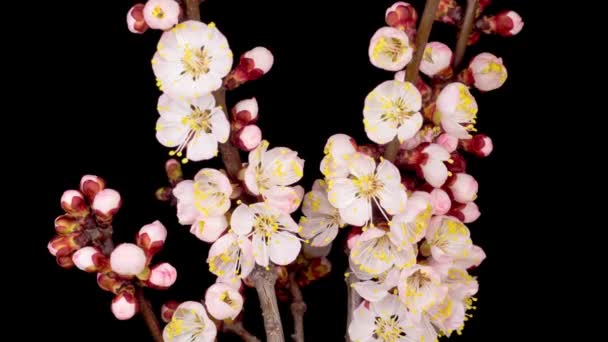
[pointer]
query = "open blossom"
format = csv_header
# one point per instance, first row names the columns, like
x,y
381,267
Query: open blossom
x,y
488,72
353,195
390,49
456,110
161,14
231,257
392,109
375,252
437,58
322,220
375,289
410,226
223,301
196,126
420,288
190,323
338,149
388,321
191,60
447,239
272,230
271,171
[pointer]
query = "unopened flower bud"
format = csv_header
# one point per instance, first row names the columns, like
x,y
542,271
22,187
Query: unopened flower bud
x,y
246,111
161,14
151,237
106,203
90,185
173,168
248,138
162,276
480,145
505,23
252,65
467,213
128,259
66,224
135,19
124,305
63,245
449,12
403,16
167,310
73,202
110,281
90,259
463,187
440,201
223,301
65,261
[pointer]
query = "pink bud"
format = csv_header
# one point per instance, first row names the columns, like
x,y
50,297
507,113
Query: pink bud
x,y
436,59
73,202
488,72
128,259
508,23
403,16
90,259
262,59
65,261
440,201
106,203
248,138
135,19
480,145
223,301
353,236
90,185
161,14
245,111
151,237
124,306
162,275
447,141
67,224
167,310
463,187
470,212
63,245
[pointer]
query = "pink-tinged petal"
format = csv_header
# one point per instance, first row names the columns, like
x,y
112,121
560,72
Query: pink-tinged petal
x,y
326,237
286,199
73,202
437,58
202,147
90,185
340,145
213,179
210,228
89,259
128,259
262,58
161,14
124,306
358,213
223,301
371,233
436,151
363,324
287,223
190,323
470,212
245,111
440,201
242,220
464,188
454,128
435,172
371,290
342,192
330,167
163,275
260,250
170,134
135,19
151,237
184,191
284,248
186,213
410,127
474,258
420,288
448,142
361,165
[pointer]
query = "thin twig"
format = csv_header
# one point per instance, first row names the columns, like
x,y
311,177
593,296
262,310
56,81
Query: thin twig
x,y
149,317
298,308
352,302
238,329
465,32
264,281
422,37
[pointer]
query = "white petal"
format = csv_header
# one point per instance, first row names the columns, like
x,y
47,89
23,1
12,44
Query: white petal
x,y
361,165
380,131
284,248
371,290
250,180
202,147
242,219
393,199
260,250
220,127
170,134
358,213
435,172
327,235
209,229
388,173
362,326
410,127
317,203
342,192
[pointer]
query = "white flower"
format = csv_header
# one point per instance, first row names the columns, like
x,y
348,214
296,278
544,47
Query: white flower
x,y
410,226
191,60
375,253
375,289
420,288
338,149
190,323
321,221
353,196
231,257
195,125
447,240
389,49
392,109
270,172
272,232
437,58
456,110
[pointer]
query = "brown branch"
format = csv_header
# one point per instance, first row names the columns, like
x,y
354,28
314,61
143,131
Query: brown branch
x,y
298,308
149,317
353,301
465,32
411,75
238,329
264,281
193,10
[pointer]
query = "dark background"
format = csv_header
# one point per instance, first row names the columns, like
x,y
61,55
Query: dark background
x,y
102,117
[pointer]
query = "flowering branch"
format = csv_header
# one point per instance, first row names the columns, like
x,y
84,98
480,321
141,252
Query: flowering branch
x,y
238,329
465,32
298,308
422,37
149,317
353,300
264,281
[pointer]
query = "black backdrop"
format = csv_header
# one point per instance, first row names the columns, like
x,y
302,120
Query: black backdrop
x,y
103,98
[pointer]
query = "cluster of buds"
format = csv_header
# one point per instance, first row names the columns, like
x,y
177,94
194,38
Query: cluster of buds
x,y
246,135
154,14
253,64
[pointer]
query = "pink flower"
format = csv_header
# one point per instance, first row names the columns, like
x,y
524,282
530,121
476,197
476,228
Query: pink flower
x,y
135,19
167,310
322,220
480,145
73,202
128,259
231,257
90,259
390,49
338,149
272,231
247,138
437,58
447,239
488,72
223,301
440,200
190,323
456,110
124,306
420,288
463,187
161,14
90,185
448,142
162,275
245,111
106,203
151,237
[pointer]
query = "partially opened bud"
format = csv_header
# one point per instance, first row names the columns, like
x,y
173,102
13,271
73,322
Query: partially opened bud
x,y
488,72
463,187
440,201
66,224
63,245
161,14
90,259
106,203
262,61
90,185
164,193
505,23
124,306
223,301
167,310
245,111
73,202
467,213
390,49
173,168
162,276
480,145
151,237
402,16
128,259
449,142
135,19
436,59
248,138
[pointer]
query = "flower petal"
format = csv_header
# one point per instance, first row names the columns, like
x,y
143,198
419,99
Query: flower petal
x,y
209,229
242,220
358,213
202,147
284,248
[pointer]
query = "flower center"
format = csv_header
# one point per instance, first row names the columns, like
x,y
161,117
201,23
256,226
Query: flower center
x,y
418,280
195,62
158,12
391,47
224,297
466,106
265,225
185,321
388,329
399,112
368,186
